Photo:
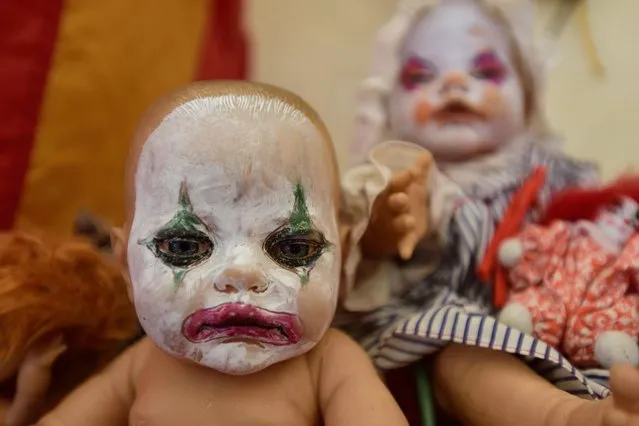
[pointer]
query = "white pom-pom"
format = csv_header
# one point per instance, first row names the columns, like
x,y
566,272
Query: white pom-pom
x,y
517,316
510,253
616,347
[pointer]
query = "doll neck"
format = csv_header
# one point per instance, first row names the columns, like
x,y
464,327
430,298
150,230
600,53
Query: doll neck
x,y
506,160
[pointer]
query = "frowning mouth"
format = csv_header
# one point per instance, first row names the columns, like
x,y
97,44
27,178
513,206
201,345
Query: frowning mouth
x,y
244,322
458,111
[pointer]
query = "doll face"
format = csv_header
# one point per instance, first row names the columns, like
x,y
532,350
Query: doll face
x,y
620,221
233,251
458,93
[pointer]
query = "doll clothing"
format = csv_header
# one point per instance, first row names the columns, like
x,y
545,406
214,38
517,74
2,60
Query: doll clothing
x,y
410,320
575,288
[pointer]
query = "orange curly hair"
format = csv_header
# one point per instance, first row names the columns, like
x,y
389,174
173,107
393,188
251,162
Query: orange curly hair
x,y
66,287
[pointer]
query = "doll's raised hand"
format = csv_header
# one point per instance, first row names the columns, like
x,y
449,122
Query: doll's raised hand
x,y
33,381
400,214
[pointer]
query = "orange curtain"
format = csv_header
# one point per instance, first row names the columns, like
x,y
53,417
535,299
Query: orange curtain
x,y
79,75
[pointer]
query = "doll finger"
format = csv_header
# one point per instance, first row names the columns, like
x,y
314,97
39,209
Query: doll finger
x,y
400,181
407,247
404,223
399,202
421,165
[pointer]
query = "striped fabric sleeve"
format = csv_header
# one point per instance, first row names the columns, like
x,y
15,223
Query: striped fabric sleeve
x,y
426,332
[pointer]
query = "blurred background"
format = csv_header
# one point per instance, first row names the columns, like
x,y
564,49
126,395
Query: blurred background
x,y
321,49
76,76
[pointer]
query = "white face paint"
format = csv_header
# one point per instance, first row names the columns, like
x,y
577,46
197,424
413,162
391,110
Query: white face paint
x,y
458,93
619,222
234,252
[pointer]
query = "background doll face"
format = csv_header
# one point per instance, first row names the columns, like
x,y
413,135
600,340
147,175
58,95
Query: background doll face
x,y
458,93
620,221
233,251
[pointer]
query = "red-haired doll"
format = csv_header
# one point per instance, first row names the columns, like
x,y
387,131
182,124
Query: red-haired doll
x,y
573,276
64,309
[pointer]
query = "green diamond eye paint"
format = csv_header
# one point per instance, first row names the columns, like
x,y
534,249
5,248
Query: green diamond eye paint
x,y
297,245
180,244
299,220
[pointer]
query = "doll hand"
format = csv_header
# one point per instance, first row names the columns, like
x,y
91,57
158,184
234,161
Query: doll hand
x,y
46,354
400,213
510,253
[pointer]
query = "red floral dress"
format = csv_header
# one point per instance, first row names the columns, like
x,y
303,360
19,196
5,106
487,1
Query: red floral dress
x,y
575,288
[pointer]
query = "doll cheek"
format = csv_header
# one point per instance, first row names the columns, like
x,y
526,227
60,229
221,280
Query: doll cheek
x,y
315,311
492,101
422,112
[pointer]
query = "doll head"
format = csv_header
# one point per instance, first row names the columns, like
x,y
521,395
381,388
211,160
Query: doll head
x,y
614,208
232,249
456,80
620,220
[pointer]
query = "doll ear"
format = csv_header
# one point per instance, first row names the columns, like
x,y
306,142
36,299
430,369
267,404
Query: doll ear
x,y
118,244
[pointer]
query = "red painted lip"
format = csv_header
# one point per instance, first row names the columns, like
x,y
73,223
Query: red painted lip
x,y
238,320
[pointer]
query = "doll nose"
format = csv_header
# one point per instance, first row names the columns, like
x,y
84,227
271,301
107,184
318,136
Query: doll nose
x,y
453,82
237,280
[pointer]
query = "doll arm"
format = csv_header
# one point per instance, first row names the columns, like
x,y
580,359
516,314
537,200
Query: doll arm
x,y
365,283
105,399
351,392
483,387
34,377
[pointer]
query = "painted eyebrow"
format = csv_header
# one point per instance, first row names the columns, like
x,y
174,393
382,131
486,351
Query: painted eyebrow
x,y
300,218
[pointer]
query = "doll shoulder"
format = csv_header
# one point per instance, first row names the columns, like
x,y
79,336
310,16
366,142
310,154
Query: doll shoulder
x,y
126,368
336,357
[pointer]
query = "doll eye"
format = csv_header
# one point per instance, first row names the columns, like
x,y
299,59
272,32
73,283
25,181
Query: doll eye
x,y
487,66
416,71
295,250
182,248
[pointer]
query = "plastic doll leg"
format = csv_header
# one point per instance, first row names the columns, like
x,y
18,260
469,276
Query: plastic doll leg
x,y
489,388
546,314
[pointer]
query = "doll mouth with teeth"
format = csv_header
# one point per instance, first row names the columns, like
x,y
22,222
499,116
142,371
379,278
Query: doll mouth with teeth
x,y
458,112
242,321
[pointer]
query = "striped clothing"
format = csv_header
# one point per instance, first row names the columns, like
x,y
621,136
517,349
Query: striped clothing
x,y
451,305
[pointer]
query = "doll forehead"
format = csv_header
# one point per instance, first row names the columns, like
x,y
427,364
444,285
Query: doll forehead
x,y
236,153
456,29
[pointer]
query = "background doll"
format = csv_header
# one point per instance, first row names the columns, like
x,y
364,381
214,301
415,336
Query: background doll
x,y
460,80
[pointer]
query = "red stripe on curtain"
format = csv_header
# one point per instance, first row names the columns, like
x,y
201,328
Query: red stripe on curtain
x,y
225,46
28,32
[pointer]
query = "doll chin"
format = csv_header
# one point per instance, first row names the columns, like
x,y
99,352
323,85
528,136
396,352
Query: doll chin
x,y
240,358
457,142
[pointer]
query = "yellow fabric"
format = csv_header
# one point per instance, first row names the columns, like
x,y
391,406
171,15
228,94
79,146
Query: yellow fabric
x,y
112,59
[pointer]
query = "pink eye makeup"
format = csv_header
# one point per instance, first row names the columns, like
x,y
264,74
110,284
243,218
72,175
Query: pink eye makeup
x,y
416,71
488,66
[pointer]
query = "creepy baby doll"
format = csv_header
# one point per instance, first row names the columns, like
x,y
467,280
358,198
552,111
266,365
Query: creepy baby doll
x,y
455,93
64,312
233,252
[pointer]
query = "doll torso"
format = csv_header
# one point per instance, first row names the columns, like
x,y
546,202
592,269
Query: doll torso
x,y
170,393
